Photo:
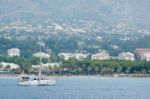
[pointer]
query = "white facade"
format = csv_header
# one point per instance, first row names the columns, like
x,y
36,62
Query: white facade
x,y
47,65
12,65
103,55
126,56
41,55
67,56
13,52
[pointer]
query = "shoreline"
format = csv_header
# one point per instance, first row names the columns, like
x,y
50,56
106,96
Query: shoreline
x,y
85,76
8,76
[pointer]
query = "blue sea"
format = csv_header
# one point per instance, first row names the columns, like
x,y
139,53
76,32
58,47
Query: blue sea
x,y
79,88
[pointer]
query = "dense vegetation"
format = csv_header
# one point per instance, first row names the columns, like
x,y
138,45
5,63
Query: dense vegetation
x,y
74,66
84,67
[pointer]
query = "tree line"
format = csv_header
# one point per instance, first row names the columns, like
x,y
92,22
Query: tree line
x,y
84,67
74,66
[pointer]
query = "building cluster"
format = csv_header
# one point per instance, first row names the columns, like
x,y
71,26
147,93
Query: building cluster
x,y
101,55
104,55
140,53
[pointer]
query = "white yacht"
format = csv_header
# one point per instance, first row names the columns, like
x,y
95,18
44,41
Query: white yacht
x,y
40,80
36,81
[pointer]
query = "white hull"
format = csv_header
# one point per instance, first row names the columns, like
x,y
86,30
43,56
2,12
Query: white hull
x,y
37,83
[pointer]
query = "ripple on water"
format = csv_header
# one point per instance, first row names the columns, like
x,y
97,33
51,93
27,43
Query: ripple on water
x,y
78,88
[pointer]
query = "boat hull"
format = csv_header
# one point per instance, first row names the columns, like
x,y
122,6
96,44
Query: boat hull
x,y
37,83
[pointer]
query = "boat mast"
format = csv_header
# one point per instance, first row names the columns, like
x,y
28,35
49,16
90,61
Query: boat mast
x,y
40,56
53,73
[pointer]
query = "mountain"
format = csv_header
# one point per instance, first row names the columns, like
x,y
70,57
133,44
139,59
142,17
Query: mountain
x,y
133,12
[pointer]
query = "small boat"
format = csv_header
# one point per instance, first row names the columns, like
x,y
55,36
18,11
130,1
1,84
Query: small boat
x,y
36,81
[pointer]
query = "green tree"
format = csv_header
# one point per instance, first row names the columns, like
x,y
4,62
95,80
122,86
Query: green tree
x,y
8,67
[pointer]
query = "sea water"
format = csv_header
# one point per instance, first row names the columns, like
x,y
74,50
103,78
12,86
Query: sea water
x,y
79,88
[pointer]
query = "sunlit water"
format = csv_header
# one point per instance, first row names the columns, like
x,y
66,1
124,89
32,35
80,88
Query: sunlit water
x,y
79,88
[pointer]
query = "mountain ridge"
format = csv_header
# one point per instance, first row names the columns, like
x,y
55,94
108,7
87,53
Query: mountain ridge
x,y
104,11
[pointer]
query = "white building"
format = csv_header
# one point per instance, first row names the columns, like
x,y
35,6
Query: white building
x,y
41,54
12,65
103,55
126,56
143,53
13,52
67,56
146,57
47,65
